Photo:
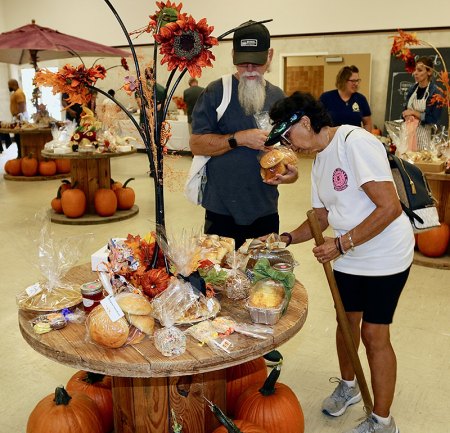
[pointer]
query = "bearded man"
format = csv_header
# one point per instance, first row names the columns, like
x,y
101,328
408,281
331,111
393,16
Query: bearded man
x,y
238,203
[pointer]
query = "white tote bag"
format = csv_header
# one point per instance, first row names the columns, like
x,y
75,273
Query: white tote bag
x,y
196,180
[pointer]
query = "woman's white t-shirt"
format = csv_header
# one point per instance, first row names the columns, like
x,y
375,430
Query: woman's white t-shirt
x,y
338,173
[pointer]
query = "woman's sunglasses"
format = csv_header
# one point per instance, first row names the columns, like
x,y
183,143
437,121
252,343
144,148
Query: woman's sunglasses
x,y
280,130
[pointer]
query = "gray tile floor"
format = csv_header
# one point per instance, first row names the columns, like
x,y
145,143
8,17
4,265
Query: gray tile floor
x,y
420,333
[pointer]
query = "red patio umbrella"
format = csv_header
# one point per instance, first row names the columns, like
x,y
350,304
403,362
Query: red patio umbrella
x,y
33,43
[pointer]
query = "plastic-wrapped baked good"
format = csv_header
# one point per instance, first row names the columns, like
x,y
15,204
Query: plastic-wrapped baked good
x,y
266,294
170,341
237,285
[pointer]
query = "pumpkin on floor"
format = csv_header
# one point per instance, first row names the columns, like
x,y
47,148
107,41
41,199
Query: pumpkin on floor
x,y
105,202
434,242
47,167
274,406
29,165
97,387
125,196
13,167
240,377
63,413
73,202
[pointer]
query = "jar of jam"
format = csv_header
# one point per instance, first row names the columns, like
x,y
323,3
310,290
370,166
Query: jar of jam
x,y
283,267
92,294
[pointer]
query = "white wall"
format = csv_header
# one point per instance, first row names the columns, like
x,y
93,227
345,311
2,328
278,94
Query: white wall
x,y
92,19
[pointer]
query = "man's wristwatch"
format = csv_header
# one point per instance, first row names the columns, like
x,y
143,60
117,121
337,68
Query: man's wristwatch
x,y
232,142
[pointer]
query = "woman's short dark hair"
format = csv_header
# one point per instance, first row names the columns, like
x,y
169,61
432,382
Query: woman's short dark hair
x,y
427,61
344,75
305,103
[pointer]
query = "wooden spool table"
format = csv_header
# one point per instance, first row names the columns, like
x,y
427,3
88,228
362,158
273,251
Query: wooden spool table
x,y
32,141
440,186
91,171
146,385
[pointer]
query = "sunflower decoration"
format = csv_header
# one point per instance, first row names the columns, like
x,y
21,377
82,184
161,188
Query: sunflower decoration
x,y
185,44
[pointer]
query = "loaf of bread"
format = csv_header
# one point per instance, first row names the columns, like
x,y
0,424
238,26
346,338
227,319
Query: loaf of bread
x,y
266,294
104,331
275,162
146,324
133,303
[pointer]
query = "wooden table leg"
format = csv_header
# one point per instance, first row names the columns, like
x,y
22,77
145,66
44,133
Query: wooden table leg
x,y
143,405
34,143
90,175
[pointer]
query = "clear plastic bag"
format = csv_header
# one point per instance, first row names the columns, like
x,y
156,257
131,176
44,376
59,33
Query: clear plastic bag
x,y
54,257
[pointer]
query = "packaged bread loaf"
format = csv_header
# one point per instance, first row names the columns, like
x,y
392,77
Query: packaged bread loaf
x,y
275,162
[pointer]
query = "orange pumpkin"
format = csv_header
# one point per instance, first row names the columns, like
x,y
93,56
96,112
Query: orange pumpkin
x,y
240,377
115,185
29,165
13,167
125,196
62,165
243,426
47,167
64,413
434,242
273,406
97,387
154,281
73,202
65,185
56,205
105,202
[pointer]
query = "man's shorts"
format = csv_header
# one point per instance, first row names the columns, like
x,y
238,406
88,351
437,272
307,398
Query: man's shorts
x,y
375,296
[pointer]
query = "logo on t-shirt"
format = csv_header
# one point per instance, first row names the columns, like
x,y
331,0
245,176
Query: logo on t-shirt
x,y
340,180
355,107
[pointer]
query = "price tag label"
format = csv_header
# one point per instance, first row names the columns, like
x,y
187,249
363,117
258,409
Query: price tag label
x,y
33,290
112,308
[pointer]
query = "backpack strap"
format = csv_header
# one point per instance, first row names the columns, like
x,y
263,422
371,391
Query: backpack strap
x,y
227,83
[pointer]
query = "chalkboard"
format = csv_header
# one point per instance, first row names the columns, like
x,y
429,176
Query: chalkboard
x,y
400,81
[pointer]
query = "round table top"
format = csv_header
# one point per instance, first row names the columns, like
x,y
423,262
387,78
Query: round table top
x,y
69,346
25,130
85,155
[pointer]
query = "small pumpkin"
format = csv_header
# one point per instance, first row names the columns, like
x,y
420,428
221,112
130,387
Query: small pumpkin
x,y
105,202
154,281
47,167
98,388
65,185
115,185
62,165
434,242
274,406
13,167
240,377
29,165
73,202
125,196
64,413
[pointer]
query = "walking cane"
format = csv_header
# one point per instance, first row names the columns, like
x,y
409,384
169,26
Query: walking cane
x,y
341,316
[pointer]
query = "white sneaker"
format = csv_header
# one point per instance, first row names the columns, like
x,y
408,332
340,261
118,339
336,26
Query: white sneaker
x,y
341,398
371,425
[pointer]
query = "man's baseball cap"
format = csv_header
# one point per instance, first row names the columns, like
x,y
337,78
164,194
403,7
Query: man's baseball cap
x,y
251,43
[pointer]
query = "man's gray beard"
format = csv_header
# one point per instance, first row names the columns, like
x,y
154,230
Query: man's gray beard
x,y
252,94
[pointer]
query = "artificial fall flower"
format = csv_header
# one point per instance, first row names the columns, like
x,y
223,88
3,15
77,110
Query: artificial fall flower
x,y
131,84
185,44
401,51
168,12
124,64
439,98
73,81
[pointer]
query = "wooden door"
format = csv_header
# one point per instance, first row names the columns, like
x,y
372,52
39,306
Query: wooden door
x,y
305,79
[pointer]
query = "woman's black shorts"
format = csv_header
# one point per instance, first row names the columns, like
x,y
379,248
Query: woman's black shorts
x,y
375,296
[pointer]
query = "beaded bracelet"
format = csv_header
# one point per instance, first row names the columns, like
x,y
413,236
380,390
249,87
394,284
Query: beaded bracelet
x,y
289,236
352,245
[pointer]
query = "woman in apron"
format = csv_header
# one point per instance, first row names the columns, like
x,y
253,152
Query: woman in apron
x,y
420,115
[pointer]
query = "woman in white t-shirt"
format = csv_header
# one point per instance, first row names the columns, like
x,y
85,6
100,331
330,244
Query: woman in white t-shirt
x,y
354,193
